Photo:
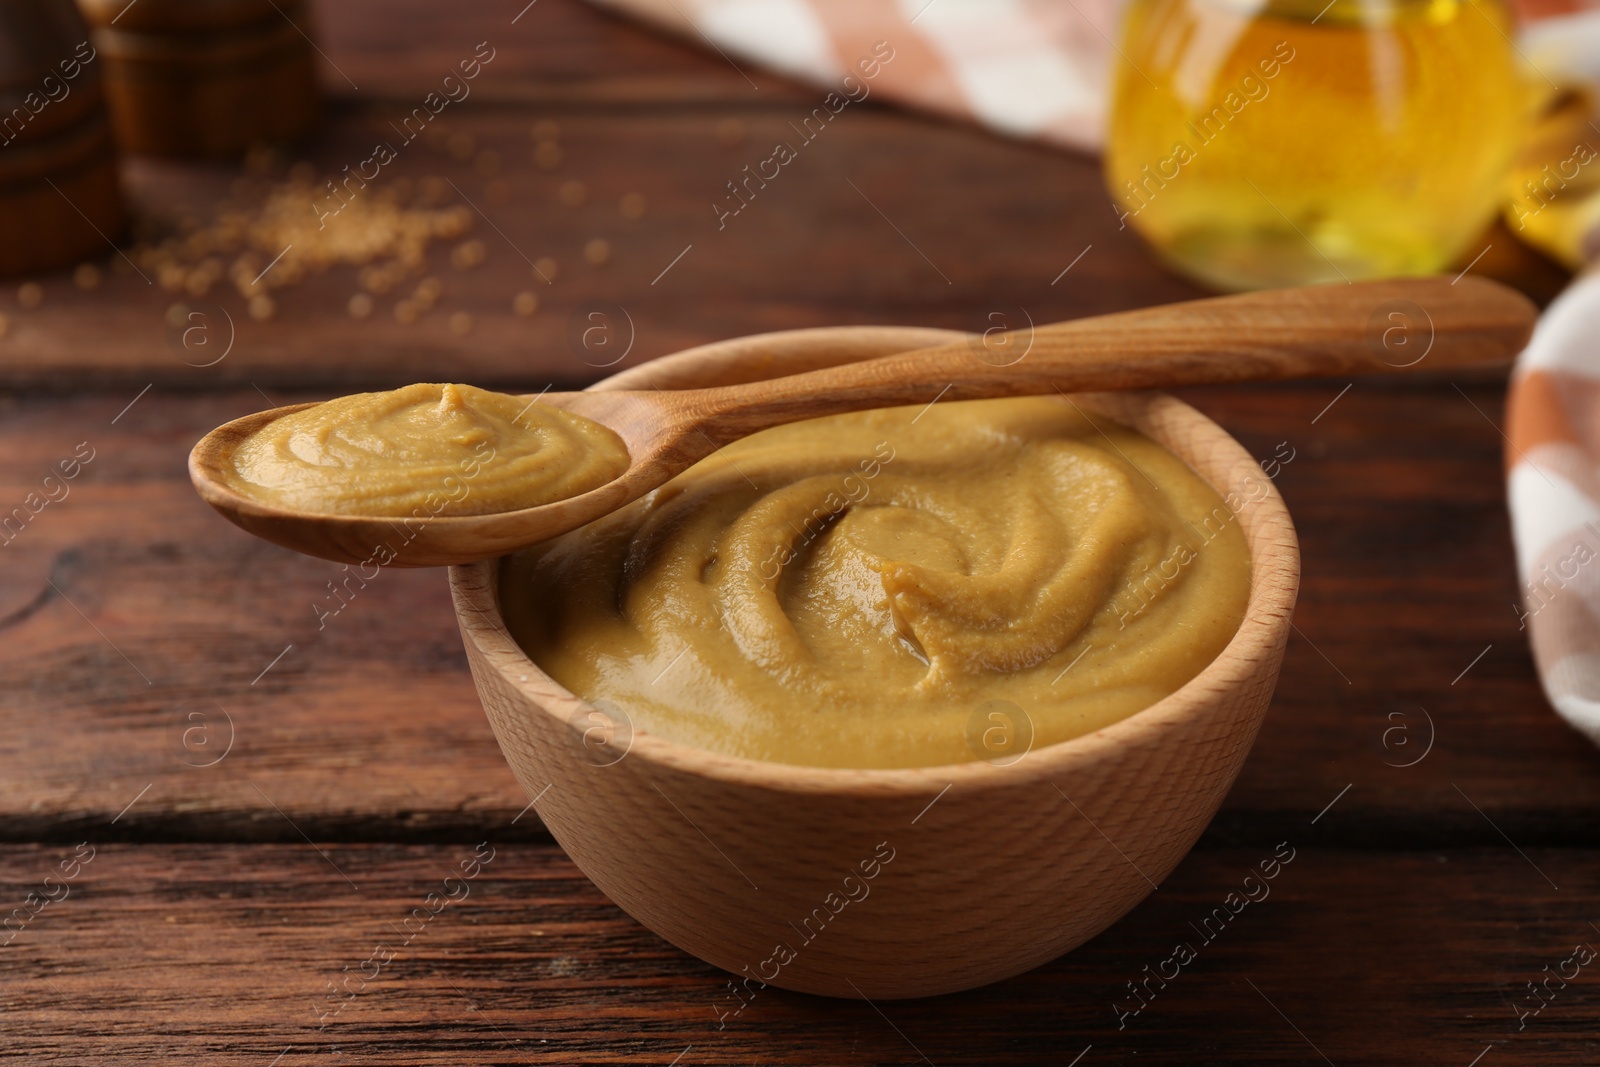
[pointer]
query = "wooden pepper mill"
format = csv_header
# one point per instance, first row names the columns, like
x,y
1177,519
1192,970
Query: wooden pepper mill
x,y
205,78
60,201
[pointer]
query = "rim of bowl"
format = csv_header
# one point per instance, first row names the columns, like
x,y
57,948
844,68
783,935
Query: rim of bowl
x,y
1274,585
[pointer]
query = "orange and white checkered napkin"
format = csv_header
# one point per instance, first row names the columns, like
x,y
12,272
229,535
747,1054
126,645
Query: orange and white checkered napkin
x,y
1553,456
1038,69
1028,68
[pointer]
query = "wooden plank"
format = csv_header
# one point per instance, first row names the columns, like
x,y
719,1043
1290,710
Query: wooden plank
x,y
369,727
164,621
1407,626
884,217
857,229
225,955
811,249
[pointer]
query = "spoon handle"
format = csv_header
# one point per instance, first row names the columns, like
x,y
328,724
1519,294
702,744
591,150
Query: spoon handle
x,y
1363,328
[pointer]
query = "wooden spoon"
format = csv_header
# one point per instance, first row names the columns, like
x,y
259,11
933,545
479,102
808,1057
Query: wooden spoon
x,y
1365,328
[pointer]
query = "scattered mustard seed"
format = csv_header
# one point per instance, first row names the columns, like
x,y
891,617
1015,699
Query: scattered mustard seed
x,y
407,312
468,254
301,229
597,251
573,193
87,276
360,306
262,307
428,292
375,280
730,132
547,155
30,294
525,303
434,190
631,205
545,268
461,322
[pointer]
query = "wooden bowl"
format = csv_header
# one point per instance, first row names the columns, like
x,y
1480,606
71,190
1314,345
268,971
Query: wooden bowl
x,y
892,883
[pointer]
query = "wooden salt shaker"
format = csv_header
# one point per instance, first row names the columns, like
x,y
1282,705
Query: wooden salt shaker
x,y
205,78
60,202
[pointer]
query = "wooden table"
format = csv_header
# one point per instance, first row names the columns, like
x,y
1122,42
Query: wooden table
x,y
266,801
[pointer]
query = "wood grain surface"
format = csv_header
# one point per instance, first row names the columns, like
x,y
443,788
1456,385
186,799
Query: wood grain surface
x,y
814,250
225,954
1405,934
857,230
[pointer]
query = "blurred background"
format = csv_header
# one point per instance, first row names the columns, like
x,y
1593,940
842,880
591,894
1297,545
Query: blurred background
x,y
362,192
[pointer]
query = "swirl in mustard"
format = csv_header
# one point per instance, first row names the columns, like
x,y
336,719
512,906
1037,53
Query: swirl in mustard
x,y
857,591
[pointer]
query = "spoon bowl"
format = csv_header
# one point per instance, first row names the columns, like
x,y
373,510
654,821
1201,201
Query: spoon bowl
x,y
1392,326
420,539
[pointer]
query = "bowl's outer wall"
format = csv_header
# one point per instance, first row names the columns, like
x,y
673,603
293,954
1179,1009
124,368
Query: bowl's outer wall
x,y
1009,866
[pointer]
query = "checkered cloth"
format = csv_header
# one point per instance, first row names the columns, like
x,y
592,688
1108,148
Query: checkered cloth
x,y
1553,461
1027,68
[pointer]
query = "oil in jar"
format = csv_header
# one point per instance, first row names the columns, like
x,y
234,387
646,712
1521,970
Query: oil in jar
x,y
1306,141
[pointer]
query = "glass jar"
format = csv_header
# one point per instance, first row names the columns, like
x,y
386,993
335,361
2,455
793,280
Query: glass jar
x,y
1294,142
